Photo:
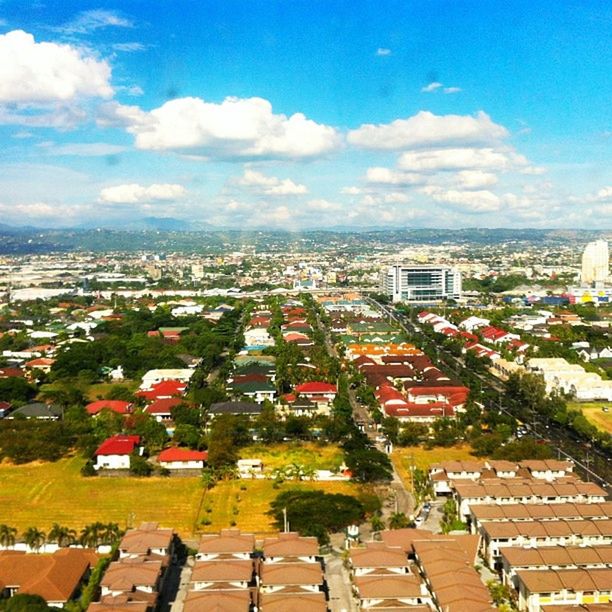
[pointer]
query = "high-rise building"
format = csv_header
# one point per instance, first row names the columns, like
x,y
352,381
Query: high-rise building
x,y
595,262
421,283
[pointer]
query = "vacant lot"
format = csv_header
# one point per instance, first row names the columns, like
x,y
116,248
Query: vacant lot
x,y
417,457
246,502
308,455
42,494
594,413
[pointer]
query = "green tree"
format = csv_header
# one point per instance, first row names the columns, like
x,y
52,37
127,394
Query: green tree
x,y
61,535
7,535
22,602
34,538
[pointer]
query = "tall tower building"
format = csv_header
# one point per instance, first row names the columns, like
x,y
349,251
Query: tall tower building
x,y
595,262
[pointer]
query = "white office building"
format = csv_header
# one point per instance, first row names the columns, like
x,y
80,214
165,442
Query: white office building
x,y
421,283
595,262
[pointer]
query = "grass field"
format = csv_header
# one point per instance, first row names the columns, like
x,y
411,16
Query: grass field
x,y
422,458
245,502
41,494
594,413
100,390
324,457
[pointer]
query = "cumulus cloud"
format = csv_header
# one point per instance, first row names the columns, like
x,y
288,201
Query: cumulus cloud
x,y
323,205
352,190
236,128
461,158
383,52
386,176
470,201
451,90
475,179
89,21
426,129
32,72
133,193
270,185
431,87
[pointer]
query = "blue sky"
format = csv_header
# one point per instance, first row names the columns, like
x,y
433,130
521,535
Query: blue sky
x,y
302,113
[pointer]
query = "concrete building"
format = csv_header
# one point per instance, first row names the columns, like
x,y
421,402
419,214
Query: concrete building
x,y
595,263
421,283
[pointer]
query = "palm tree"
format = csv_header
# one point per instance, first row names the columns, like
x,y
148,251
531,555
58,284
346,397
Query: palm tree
x,y
62,535
398,520
7,536
91,534
112,532
34,538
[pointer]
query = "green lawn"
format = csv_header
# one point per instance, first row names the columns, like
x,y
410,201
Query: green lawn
x,y
594,413
422,458
100,390
307,454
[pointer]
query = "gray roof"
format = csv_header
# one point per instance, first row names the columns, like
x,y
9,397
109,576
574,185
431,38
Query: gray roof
x,y
38,410
235,408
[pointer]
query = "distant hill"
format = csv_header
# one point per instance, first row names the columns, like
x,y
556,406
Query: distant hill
x,y
157,224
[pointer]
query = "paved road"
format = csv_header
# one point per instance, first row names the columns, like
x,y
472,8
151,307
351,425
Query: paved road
x,y
338,580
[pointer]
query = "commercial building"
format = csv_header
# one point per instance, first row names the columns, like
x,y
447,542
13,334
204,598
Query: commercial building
x,y
595,263
421,283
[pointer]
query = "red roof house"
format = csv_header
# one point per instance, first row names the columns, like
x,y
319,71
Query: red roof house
x,y
118,406
114,453
182,459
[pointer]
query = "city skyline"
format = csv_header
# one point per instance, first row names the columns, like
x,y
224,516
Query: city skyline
x,y
308,115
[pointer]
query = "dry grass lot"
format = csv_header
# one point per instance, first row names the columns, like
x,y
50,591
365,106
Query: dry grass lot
x,y
422,458
245,502
41,494
308,454
594,413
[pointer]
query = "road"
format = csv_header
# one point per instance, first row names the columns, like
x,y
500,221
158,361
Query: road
x,y
339,583
591,463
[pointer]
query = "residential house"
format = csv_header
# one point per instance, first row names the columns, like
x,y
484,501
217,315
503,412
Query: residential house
x,y
114,453
182,459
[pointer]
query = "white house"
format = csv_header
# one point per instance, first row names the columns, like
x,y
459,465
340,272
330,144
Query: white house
x,y
182,459
114,453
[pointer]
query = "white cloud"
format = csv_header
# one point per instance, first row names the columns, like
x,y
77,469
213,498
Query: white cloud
x,y
386,176
236,128
603,195
323,205
427,129
431,87
270,185
533,170
89,21
383,52
114,114
451,90
32,72
470,201
86,149
475,179
134,193
376,199
350,190
461,158
129,47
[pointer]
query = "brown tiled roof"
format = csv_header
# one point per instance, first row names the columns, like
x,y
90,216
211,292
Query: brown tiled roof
x,y
223,570
550,581
405,539
557,555
387,587
292,602
125,576
147,536
484,512
228,541
129,606
542,529
291,574
54,577
290,545
218,601
454,582
378,554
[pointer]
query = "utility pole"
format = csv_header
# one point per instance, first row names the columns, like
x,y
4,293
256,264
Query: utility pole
x,y
285,521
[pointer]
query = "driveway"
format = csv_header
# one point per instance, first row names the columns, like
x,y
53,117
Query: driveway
x,y
339,583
